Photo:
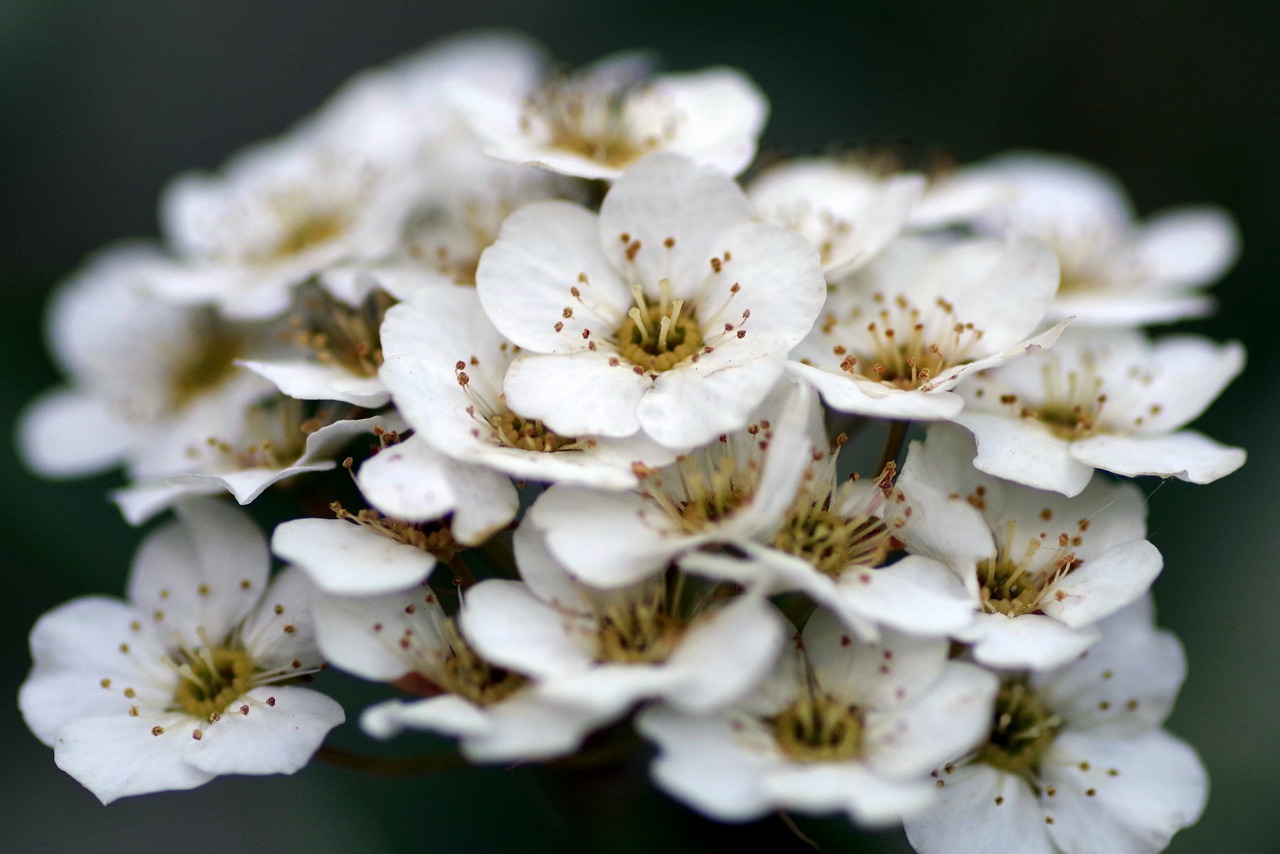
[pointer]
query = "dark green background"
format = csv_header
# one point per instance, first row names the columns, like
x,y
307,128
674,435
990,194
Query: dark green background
x,y
100,102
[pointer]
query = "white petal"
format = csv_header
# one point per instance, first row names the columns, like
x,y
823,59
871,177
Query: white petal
x,y
118,756
894,672
345,559
284,727
1103,584
726,653
313,381
1023,451
1029,641
916,595
1188,246
67,433
980,809
1186,455
1159,789
409,480
870,800
589,393
508,625
363,636
695,402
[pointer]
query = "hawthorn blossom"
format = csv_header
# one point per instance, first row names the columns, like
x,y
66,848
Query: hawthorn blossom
x,y
1042,569
192,677
840,726
147,380
848,213
445,365
1109,400
405,638
1075,760
596,122
670,313
1115,271
897,336
668,636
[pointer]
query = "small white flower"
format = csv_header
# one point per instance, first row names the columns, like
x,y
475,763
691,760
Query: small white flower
x,y
187,680
1042,568
1115,271
405,638
147,380
1102,399
839,726
1075,760
598,121
670,636
669,313
445,365
897,336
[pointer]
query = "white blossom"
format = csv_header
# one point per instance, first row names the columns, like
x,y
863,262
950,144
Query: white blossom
x,y
190,678
669,313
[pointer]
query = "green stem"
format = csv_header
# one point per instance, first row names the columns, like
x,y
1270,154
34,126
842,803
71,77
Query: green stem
x,y
893,443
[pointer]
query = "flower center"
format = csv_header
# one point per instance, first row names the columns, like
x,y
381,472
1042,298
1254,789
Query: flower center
x,y
1073,400
819,729
587,114
433,538
305,232
642,630
1012,586
657,337
211,679
708,486
341,335
281,428
210,363
832,542
506,427
905,347
469,676
1022,731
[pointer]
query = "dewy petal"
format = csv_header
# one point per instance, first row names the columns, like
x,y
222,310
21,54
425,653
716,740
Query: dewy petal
x,y
527,277
1023,451
1160,788
207,570
1186,455
348,560
668,196
118,756
589,393
1187,246
285,725
980,809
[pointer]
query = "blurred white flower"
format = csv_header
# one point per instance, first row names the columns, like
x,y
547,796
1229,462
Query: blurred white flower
x,y
190,678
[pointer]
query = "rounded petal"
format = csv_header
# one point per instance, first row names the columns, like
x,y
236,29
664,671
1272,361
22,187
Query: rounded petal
x,y
1186,455
980,809
284,727
348,560
590,393
116,757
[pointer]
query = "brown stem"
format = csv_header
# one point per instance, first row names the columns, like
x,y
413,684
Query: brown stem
x,y
390,766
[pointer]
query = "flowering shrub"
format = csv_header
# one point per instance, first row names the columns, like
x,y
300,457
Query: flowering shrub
x,y
792,471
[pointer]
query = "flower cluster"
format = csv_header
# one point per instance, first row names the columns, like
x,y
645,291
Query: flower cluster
x,y
793,470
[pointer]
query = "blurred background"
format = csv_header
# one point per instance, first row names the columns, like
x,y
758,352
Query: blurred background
x,y
101,102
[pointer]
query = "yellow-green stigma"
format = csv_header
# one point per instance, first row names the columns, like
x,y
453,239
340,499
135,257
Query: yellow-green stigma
x,y
645,629
833,543
1073,400
211,679
306,232
658,336
1022,731
466,674
819,728
208,365
528,435
1011,587
587,116
338,334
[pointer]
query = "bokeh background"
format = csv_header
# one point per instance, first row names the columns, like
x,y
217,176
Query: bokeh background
x,y
100,102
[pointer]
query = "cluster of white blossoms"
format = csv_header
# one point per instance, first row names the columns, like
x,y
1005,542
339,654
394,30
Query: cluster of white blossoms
x,y
604,391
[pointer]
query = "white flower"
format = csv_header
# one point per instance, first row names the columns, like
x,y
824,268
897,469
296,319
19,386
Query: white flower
x,y
147,380
187,680
279,214
670,636
1042,568
598,121
735,490
1114,271
846,211
445,364
840,726
898,335
274,443
669,313
1075,760
405,638
1106,399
